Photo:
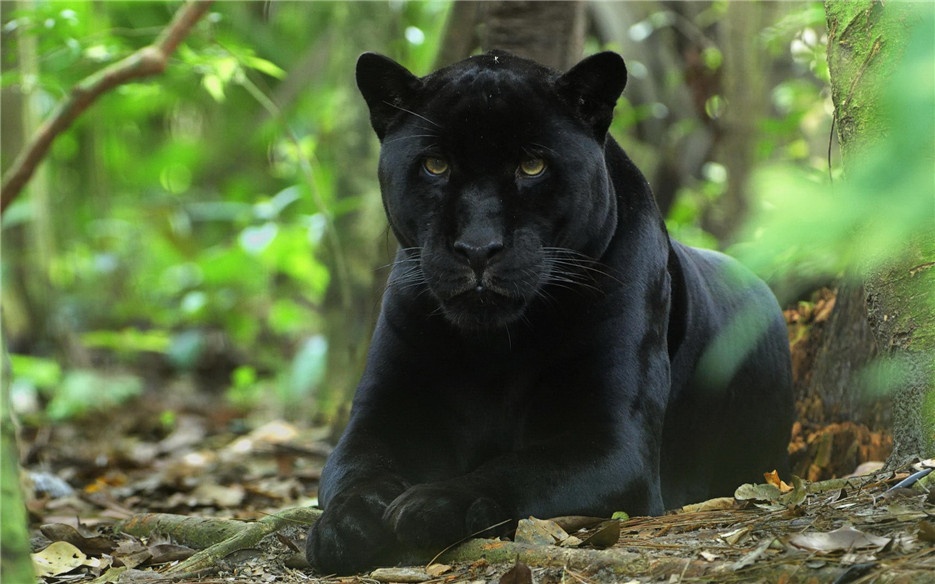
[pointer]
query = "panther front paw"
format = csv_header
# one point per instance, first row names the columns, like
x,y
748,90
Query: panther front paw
x,y
351,536
430,517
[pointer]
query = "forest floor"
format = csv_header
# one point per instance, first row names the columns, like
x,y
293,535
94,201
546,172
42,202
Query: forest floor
x,y
126,496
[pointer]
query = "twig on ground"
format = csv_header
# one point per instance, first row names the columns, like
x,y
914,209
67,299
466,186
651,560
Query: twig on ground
x,y
247,537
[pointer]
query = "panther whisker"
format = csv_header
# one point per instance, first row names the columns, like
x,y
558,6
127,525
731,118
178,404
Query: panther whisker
x,y
544,147
421,117
571,258
414,136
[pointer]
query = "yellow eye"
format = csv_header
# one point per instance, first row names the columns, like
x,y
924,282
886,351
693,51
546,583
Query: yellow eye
x,y
532,167
435,166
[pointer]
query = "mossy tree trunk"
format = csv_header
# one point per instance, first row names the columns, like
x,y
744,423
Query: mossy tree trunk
x,y
867,48
15,561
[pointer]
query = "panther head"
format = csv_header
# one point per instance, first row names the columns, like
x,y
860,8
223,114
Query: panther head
x,y
493,178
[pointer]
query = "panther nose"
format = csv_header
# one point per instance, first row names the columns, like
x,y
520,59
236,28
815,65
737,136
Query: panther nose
x,y
478,253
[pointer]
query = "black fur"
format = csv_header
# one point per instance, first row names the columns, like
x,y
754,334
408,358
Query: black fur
x,y
543,348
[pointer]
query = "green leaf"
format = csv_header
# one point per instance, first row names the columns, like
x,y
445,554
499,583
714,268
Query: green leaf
x,y
128,339
83,392
40,372
264,66
215,87
308,368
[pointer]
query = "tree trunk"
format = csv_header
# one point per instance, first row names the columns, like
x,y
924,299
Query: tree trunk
x,y
847,345
744,92
867,49
461,34
551,33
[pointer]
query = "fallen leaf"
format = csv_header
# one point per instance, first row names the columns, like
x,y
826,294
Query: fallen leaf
x,y
795,495
570,542
708,556
735,536
111,575
133,559
751,557
89,544
164,553
270,434
857,559
211,493
404,575
905,513
845,538
716,504
607,535
61,557
772,478
518,574
867,468
436,570
572,523
927,531
750,492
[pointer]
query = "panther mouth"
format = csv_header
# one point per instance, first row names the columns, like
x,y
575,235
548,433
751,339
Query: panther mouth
x,y
482,308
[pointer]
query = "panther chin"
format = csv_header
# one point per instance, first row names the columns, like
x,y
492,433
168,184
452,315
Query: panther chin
x,y
482,309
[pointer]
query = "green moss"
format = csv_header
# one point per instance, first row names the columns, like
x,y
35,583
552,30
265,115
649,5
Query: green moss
x,y
865,42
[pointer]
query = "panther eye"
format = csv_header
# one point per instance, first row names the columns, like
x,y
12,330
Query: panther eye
x,y
532,167
435,166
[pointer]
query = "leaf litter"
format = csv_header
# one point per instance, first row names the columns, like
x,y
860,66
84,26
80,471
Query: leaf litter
x,y
203,470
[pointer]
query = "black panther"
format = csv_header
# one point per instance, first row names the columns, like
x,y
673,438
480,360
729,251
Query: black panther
x,y
543,348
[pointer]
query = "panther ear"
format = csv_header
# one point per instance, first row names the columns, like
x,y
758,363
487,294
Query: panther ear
x,y
386,86
592,87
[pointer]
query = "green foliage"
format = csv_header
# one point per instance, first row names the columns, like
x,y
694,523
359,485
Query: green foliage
x,y
70,394
37,372
83,392
811,227
207,201
201,202
684,215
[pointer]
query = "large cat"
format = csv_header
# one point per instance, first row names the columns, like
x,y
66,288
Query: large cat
x,y
544,348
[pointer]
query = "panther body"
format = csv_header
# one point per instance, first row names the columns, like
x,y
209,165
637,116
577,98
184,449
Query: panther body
x,y
544,348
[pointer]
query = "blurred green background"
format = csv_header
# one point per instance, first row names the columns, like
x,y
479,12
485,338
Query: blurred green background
x,y
221,223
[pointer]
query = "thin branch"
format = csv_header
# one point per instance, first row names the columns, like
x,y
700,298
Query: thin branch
x,y
148,61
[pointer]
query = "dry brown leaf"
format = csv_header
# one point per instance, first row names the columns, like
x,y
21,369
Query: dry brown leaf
x,y
572,523
89,544
606,536
927,531
772,478
169,552
717,504
753,556
518,574
736,536
845,538
436,570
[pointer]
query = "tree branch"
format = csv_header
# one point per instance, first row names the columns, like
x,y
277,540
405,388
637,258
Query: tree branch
x,y
148,61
